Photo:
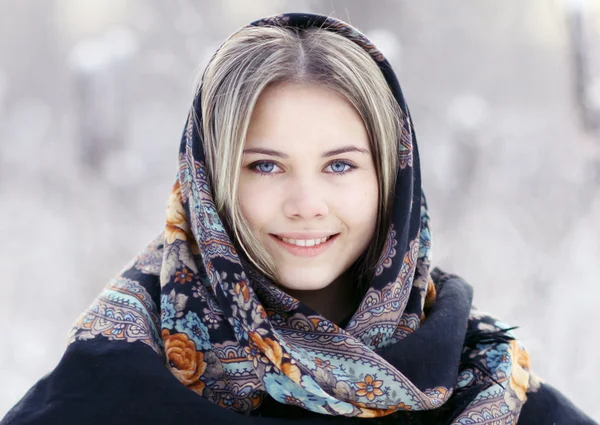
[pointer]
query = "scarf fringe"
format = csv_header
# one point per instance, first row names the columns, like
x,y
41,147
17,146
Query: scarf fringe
x,y
477,336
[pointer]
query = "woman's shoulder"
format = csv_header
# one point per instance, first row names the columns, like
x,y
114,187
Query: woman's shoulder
x,y
93,385
546,405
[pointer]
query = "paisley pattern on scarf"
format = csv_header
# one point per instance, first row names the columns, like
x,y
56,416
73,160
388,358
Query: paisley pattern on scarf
x,y
232,336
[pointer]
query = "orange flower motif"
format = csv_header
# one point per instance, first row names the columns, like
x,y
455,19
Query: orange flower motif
x,y
377,340
369,388
261,311
271,349
242,288
431,295
198,387
519,377
293,401
400,406
177,226
183,360
292,371
325,364
368,412
183,276
373,413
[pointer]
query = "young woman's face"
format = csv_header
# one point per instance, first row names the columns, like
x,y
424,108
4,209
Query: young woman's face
x,y
308,185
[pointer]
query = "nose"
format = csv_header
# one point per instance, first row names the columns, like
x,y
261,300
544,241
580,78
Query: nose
x,y
305,199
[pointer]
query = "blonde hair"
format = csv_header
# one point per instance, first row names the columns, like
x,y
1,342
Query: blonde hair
x,y
257,57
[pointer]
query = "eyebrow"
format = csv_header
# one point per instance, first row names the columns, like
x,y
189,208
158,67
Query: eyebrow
x,y
344,149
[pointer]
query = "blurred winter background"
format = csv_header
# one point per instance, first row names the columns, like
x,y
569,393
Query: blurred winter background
x,y
505,95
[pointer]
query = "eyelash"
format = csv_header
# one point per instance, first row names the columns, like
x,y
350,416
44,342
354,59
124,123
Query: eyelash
x,y
254,167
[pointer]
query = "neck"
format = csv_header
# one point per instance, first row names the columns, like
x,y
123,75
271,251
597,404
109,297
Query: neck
x,y
335,302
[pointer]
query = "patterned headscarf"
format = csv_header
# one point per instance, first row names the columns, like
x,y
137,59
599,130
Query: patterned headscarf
x,y
232,336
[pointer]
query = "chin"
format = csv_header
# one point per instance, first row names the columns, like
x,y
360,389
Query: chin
x,y
302,281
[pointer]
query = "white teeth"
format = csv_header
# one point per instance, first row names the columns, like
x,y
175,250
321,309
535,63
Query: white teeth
x,y
305,242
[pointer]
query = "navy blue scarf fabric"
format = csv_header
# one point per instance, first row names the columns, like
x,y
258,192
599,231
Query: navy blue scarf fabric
x,y
191,333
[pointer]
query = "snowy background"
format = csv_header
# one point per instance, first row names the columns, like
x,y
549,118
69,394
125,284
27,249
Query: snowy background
x,y
505,95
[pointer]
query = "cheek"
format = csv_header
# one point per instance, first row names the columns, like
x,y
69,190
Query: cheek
x,y
256,205
359,205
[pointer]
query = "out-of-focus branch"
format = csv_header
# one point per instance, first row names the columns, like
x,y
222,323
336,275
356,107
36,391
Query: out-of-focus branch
x,y
585,48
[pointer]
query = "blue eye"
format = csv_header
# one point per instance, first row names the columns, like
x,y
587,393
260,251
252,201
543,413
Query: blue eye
x,y
339,167
264,167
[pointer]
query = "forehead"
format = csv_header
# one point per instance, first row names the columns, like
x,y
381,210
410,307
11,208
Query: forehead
x,y
305,113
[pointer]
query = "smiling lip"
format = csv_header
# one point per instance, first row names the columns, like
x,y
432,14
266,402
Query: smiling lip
x,y
305,235
305,251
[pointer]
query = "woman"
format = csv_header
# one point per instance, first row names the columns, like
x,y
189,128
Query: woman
x,y
293,276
